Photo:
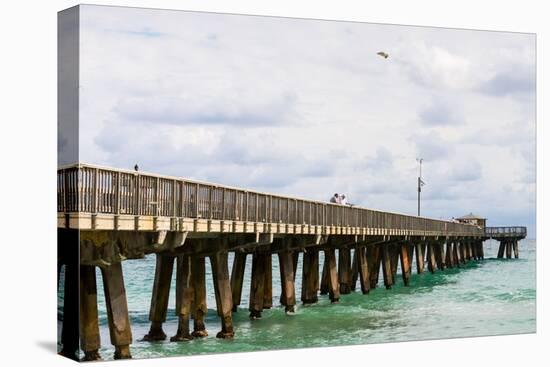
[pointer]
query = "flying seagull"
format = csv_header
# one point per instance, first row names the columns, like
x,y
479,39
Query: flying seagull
x,y
383,54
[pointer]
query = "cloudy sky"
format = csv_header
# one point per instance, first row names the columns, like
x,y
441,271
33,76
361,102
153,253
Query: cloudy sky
x,y
307,108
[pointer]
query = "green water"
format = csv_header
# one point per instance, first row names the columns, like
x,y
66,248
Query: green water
x,y
490,297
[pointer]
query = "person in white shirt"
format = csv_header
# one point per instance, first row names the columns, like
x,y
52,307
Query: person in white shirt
x,y
343,200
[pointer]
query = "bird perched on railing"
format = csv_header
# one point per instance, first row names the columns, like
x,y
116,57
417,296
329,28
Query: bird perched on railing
x,y
136,168
383,54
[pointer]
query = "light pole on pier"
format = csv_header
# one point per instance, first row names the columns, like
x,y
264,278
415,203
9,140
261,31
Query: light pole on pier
x,y
420,182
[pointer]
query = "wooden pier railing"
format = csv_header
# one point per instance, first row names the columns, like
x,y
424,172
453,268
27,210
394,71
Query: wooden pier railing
x,y
500,232
98,191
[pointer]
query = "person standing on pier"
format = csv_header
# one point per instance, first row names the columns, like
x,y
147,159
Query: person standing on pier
x,y
335,199
343,200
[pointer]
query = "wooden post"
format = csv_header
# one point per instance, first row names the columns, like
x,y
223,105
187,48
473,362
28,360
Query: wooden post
x,y
508,249
184,298
375,258
89,326
405,263
199,287
159,299
387,266
419,258
286,267
470,251
516,249
268,281
332,275
117,310
310,276
431,257
449,255
355,269
237,278
501,248
344,270
256,303
222,289
363,269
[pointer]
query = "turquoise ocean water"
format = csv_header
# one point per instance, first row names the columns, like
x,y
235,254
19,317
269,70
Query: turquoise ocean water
x,y
490,297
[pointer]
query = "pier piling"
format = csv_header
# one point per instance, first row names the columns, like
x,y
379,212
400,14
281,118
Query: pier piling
x,y
419,258
431,257
288,293
387,266
332,275
184,298
363,269
159,299
354,269
268,282
516,249
237,278
199,289
257,283
310,276
344,270
222,290
117,310
405,263
89,325
375,258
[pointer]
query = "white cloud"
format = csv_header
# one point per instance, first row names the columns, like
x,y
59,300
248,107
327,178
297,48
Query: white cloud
x,y
307,108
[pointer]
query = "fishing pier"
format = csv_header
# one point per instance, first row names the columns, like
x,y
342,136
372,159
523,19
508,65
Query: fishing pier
x,y
107,216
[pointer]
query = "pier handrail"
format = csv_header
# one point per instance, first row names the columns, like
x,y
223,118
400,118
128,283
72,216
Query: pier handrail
x,y
515,230
94,189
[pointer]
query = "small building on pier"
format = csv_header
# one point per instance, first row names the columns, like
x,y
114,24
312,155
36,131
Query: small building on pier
x,y
473,219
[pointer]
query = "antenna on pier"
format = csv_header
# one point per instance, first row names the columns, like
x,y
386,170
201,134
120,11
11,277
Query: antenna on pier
x,y
420,182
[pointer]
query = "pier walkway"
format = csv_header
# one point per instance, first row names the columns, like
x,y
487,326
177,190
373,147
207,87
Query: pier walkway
x,y
106,216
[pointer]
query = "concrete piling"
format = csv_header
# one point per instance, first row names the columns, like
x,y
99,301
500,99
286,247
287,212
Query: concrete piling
x,y
222,290
184,298
310,276
256,303
405,263
117,310
268,281
344,270
332,275
387,266
449,257
354,269
237,278
288,296
323,289
199,289
375,259
89,325
419,258
516,248
363,269
431,257
159,299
